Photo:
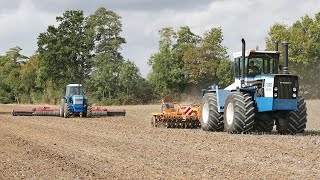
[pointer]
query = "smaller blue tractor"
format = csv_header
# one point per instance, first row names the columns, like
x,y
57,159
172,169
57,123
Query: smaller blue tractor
x,y
74,102
260,97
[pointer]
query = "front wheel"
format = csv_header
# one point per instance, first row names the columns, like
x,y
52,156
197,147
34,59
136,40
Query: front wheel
x,y
210,119
239,113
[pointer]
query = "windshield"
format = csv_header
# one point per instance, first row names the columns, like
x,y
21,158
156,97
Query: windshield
x,y
260,63
256,64
74,90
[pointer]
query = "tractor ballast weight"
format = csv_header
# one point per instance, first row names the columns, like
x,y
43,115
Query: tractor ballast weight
x,y
259,98
176,115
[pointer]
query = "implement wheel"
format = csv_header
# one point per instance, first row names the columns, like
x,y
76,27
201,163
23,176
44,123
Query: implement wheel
x,y
211,119
153,121
238,113
294,121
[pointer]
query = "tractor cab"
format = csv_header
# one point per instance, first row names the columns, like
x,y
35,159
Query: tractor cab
x,y
256,63
75,96
74,89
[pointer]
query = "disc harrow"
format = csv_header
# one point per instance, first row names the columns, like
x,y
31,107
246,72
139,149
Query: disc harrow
x,y
101,111
175,115
40,111
49,111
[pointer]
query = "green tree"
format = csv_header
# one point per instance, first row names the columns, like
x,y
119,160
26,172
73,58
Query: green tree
x,y
29,76
304,51
10,87
168,76
64,51
105,27
202,63
185,59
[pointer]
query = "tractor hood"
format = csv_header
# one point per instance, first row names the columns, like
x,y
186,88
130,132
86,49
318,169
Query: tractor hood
x,y
78,97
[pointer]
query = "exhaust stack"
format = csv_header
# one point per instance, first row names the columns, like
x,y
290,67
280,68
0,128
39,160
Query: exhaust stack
x,y
243,56
285,57
276,59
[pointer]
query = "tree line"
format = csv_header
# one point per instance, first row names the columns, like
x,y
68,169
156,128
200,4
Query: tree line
x,y
86,49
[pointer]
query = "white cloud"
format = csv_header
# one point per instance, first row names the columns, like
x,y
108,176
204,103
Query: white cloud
x,y
21,27
250,19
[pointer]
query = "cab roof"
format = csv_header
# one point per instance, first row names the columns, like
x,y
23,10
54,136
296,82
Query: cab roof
x,y
74,85
248,52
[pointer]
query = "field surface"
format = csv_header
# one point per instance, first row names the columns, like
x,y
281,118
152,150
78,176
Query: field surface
x,y
129,148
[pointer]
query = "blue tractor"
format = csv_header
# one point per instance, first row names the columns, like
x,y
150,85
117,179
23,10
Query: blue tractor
x,y
263,95
74,102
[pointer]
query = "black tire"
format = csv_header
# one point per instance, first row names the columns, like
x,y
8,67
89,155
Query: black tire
x,y
238,113
211,119
294,121
61,109
66,111
263,122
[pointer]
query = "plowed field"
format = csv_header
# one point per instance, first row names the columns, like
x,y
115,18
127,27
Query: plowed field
x,y
129,148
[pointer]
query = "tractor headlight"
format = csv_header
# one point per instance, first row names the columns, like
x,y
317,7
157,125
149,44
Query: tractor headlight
x,y
275,88
294,89
294,95
275,95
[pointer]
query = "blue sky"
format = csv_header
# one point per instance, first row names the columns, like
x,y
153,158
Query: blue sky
x,y
21,21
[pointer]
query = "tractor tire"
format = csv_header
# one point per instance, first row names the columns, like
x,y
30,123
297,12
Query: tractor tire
x,y
294,121
61,109
238,113
66,111
263,122
211,119
89,112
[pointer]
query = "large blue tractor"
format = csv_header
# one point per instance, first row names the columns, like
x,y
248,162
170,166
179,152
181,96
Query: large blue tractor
x,y
74,102
261,97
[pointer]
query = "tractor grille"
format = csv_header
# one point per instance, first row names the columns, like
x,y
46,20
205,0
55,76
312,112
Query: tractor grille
x,y
285,85
78,101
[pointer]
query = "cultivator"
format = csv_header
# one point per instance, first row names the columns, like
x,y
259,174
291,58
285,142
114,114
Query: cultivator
x,y
175,115
49,111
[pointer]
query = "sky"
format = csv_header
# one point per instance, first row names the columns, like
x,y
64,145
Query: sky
x,y
21,21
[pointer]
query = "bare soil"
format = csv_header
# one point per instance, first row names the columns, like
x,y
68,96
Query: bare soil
x,y
129,148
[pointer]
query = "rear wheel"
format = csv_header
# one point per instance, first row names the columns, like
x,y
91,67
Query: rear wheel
x,y
294,121
239,113
89,112
263,122
66,111
211,119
